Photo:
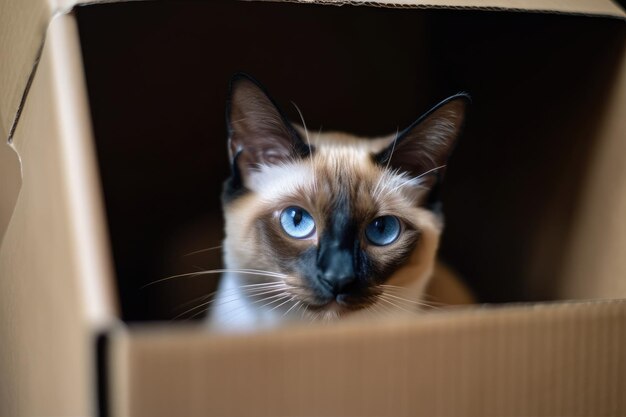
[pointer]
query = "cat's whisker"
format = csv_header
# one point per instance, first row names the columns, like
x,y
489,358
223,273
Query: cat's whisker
x,y
393,147
197,314
398,291
187,303
292,307
306,313
386,294
384,309
396,305
391,286
262,284
234,313
279,299
278,274
405,182
243,119
433,301
308,141
429,171
218,271
406,304
203,250
282,294
192,309
265,293
420,303
274,282
283,303
413,307
228,292
378,309
255,293
319,133
300,308
373,309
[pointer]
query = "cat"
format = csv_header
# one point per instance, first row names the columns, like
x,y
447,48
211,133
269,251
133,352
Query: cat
x,y
327,226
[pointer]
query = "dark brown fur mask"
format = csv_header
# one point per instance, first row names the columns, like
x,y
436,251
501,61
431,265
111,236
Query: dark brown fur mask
x,y
332,220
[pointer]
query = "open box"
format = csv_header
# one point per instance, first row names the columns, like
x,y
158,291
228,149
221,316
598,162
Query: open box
x,y
114,165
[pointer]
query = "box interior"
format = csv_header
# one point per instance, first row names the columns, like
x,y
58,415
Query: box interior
x,y
157,76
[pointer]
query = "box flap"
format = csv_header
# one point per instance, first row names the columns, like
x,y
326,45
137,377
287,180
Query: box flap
x,y
23,25
56,290
586,7
559,359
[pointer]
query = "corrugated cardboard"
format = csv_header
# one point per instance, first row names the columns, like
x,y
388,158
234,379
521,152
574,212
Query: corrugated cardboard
x,y
57,288
520,361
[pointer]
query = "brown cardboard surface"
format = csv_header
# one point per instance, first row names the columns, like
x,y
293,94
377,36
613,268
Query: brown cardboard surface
x,y
552,360
54,294
596,262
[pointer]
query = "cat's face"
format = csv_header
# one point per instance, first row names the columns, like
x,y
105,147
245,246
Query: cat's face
x,y
333,216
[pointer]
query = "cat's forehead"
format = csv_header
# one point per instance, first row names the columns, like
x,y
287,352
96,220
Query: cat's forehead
x,y
333,171
328,169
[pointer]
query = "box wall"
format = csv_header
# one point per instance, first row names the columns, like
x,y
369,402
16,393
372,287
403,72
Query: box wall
x,y
53,292
552,360
596,266
542,92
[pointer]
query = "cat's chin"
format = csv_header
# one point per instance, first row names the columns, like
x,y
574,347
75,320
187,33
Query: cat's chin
x,y
333,309
329,311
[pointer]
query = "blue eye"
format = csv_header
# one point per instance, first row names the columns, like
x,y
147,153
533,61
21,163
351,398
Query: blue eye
x,y
297,222
383,230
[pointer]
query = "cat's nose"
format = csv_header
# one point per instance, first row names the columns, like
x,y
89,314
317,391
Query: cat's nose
x,y
337,280
335,268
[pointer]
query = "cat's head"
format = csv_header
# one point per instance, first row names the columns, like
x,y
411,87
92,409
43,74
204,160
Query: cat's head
x,y
336,220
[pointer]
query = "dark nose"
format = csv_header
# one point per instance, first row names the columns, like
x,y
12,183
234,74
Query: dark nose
x,y
336,270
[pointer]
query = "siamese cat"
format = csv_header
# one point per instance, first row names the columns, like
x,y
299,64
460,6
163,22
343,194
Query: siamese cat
x,y
329,225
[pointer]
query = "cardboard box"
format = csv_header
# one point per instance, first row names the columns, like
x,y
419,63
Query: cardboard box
x,y
114,156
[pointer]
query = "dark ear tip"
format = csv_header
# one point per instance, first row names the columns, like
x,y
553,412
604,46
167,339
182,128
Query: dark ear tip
x,y
462,95
239,77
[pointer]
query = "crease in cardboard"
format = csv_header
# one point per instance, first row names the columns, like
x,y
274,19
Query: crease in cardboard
x,y
619,13
6,219
33,71
29,83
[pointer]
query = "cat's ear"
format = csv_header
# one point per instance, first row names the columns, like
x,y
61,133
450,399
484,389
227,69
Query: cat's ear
x,y
423,148
258,132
